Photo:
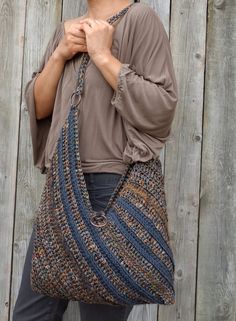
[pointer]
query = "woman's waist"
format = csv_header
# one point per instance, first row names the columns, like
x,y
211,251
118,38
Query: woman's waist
x,y
101,180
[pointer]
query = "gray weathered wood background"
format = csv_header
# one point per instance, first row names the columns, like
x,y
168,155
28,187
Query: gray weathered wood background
x,y
199,158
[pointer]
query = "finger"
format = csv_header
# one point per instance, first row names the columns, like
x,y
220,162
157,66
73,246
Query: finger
x,y
77,40
88,21
79,34
98,21
78,28
80,49
77,23
86,27
103,21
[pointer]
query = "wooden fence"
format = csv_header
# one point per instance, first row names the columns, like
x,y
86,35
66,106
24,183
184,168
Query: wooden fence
x,y
198,160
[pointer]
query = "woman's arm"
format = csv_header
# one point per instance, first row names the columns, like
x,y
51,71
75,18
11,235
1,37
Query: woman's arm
x,y
45,87
46,76
99,34
145,88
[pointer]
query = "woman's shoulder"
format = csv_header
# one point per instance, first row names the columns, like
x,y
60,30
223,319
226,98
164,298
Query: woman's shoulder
x,y
142,11
143,17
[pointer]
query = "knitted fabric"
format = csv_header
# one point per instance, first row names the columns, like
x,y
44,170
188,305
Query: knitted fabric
x,y
118,256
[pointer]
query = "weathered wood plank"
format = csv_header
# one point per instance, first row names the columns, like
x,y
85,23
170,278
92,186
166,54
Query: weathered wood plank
x,y
74,9
216,286
183,152
42,18
12,20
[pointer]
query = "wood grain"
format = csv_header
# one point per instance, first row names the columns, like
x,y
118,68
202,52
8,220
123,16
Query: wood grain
x,y
183,152
12,21
41,20
216,286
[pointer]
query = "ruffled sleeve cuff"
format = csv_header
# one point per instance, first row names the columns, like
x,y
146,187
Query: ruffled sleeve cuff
x,y
140,145
39,128
117,96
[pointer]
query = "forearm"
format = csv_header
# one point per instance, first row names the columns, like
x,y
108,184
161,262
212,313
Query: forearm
x,y
147,105
109,66
46,86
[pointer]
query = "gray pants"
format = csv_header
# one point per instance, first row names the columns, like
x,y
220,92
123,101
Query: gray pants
x,y
31,306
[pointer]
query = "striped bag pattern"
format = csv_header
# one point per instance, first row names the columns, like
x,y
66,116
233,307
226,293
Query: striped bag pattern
x,y
120,255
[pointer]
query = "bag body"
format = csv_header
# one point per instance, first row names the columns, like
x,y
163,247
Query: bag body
x,y
120,255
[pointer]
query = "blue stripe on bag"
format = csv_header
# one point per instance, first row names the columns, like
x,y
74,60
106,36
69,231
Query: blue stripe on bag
x,y
112,260
79,241
142,248
147,224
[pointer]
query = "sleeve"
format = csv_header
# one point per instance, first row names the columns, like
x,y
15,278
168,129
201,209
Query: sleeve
x,y
146,94
39,129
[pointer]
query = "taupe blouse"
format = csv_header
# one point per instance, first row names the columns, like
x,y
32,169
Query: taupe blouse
x,y
116,127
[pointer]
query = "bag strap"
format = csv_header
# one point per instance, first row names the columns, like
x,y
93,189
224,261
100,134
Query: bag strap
x,y
76,95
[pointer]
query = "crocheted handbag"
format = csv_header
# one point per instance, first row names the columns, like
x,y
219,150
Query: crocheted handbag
x,y
118,256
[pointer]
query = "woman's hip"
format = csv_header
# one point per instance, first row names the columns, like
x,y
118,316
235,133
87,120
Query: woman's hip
x,y
100,187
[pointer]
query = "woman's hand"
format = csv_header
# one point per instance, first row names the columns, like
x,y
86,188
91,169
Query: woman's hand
x,y
74,40
98,37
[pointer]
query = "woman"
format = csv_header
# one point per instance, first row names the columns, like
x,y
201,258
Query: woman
x,y
126,112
